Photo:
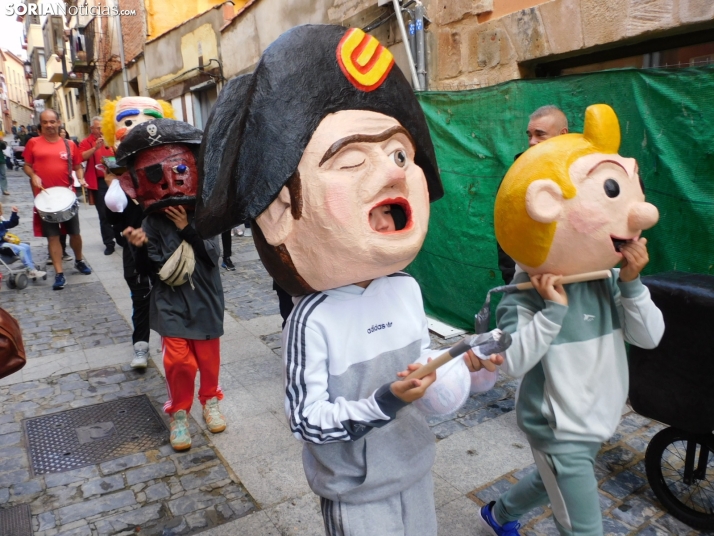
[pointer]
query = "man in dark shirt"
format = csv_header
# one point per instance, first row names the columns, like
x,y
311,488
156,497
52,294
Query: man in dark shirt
x,y
545,123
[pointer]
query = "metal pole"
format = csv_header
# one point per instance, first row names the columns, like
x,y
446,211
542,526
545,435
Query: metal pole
x,y
412,30
405,40
121,55
420,48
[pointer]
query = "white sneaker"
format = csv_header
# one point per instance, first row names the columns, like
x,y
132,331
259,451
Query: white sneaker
x,y
248,232
34,273
141,355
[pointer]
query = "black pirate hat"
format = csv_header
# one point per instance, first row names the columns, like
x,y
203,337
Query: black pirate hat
x,y
307,73
153,134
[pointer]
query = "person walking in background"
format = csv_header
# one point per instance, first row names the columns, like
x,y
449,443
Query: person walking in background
x,y
48,162
139,284
3,169
226,242
93,150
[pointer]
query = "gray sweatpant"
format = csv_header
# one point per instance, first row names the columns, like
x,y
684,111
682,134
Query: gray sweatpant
x,y
567,482
409,513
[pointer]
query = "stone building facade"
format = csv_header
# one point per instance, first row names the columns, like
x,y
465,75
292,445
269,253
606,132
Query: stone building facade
x,y
477,43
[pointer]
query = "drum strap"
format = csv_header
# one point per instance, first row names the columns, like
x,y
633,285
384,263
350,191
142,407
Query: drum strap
x,y
69,162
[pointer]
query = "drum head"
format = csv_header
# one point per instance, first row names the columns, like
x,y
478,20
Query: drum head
x,y
55,199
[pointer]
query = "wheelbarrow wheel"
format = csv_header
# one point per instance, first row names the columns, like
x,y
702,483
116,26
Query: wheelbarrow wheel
x,y
11,281
680,470
21,281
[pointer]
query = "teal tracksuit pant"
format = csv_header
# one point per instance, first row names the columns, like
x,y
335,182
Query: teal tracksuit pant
x,y
566,481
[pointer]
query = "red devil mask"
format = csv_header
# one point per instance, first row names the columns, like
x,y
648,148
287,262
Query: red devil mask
x,y
163,176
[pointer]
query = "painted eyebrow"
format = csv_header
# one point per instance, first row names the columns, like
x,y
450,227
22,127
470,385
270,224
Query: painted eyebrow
x,y
125,113
363,138
608,162
153,113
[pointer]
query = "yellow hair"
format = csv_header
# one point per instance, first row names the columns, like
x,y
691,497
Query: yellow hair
x,y
108,114
108,121
523,238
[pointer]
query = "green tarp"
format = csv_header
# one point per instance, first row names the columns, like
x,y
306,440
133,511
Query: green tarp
x,y
667,122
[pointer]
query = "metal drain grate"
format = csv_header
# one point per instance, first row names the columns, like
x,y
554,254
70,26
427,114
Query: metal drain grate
x,y
93,434
16,521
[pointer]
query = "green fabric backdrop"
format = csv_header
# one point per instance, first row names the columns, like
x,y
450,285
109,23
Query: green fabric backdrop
x,y
667,122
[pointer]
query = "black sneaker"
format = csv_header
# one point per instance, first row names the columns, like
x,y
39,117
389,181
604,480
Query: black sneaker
x,y
228,264
109,250
60,282
82,267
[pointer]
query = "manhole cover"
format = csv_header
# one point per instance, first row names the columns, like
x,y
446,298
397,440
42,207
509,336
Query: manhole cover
x,y
16,520
93,434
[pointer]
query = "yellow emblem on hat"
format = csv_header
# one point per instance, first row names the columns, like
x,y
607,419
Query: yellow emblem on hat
x,y
363,60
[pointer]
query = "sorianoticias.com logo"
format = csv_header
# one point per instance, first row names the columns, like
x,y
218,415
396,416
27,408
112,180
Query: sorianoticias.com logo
x,y
60,8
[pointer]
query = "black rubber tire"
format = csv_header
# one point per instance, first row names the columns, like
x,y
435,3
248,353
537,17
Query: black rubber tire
x,y
673,442
21,281
11,281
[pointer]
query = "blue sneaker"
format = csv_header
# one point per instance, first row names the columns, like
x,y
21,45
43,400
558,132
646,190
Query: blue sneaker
x,y
82,267
488,521
60,282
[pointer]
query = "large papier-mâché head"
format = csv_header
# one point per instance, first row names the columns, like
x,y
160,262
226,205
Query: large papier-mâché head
x,y
160,157
122,114
326,129
567,204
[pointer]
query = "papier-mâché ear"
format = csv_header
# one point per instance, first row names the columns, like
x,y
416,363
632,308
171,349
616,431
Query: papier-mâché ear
x,y
276,221
544,200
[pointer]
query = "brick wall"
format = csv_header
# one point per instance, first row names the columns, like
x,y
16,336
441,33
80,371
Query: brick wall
x,y
133,29
133,33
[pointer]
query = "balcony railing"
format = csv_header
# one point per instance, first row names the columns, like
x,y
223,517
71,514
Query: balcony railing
x,y
81,43
71,78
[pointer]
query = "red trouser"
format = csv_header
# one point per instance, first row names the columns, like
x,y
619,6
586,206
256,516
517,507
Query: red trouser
x,y
182,358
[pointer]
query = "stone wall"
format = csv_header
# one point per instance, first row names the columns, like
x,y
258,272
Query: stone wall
x,y
467,53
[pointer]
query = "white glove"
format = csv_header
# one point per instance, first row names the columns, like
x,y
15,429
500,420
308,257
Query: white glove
x,y
115,198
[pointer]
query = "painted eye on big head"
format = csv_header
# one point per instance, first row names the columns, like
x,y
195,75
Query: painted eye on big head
x,y
400,157
128,123
181,168
612,188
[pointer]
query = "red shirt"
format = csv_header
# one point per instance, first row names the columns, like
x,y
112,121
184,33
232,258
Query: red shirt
x,y
49,160
92,172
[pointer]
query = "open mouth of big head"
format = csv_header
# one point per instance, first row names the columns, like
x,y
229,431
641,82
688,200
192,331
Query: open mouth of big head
x,y
401,213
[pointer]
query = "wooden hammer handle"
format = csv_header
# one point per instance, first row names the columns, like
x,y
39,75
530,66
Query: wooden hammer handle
x,y
430,367
577,278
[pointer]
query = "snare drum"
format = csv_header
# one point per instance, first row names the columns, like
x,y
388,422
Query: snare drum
x,y
57,204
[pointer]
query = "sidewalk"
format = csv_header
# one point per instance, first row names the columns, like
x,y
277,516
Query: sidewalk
x,y
249,479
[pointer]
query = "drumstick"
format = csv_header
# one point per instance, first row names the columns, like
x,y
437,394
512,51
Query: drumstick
x,y
493,342
84,195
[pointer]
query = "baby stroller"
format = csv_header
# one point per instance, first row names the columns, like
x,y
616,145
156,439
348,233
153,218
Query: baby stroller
x,y
18,159
674,384
16,278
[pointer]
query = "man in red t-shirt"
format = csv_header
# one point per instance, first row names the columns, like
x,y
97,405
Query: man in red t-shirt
x,y
93,150
46,164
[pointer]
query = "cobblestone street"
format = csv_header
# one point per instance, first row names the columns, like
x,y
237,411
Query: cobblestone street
x,y
248,479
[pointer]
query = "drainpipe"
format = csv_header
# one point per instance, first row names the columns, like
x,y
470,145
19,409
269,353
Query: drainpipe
x,y
121,54
405,40
412,30
420,48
